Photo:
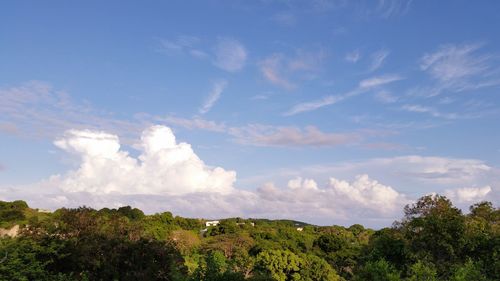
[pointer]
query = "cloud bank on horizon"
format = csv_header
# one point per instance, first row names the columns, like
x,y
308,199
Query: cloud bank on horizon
x,y
168,175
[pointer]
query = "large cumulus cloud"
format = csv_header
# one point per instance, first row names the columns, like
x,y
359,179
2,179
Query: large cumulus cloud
x,y
163,167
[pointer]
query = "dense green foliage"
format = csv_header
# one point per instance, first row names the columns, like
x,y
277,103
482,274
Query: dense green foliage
x,y
433,241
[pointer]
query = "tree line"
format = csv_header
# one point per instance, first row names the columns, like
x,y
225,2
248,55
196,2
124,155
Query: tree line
x,y
434,240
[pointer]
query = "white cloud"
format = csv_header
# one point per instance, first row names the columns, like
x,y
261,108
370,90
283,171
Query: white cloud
x,y
262,135
230,55
168,175
339,202
369,193
164,166
378,59
214,95
438,170
336,199
451,62
313,105
412,173
458,68
468,194
298,182
364,85
379,81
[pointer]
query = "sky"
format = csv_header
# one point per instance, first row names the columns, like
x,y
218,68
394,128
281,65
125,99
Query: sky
x,y
329,112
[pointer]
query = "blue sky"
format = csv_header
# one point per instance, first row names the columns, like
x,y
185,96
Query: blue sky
x,y
325,111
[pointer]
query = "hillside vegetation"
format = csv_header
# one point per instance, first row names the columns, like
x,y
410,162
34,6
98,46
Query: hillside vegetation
x,y
433,241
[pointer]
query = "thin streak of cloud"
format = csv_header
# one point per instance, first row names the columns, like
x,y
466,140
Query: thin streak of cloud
x,y
379,81
364,85
218,88
429,110
458,68
262,135
313,105
390,8
378,59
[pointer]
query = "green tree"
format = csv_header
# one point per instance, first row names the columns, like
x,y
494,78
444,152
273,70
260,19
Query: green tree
x,y
421,271
315,268
483,237
379,270
281,265
340,251
468,272
435,230
389,244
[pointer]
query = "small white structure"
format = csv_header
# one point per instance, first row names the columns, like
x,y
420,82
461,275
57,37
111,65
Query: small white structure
x,y
211,223
12,232
300,228
44,211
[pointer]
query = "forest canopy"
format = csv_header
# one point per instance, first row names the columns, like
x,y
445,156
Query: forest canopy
x,y
434,240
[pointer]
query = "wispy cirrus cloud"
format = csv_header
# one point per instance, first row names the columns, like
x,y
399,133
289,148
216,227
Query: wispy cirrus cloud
x,y
313,105
218,88
363,86
186,44
390,8
227,54
264,135
429,110
271,69
377,59
230,55
468,113
458,68
36,109
281,70
452,62
379,81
